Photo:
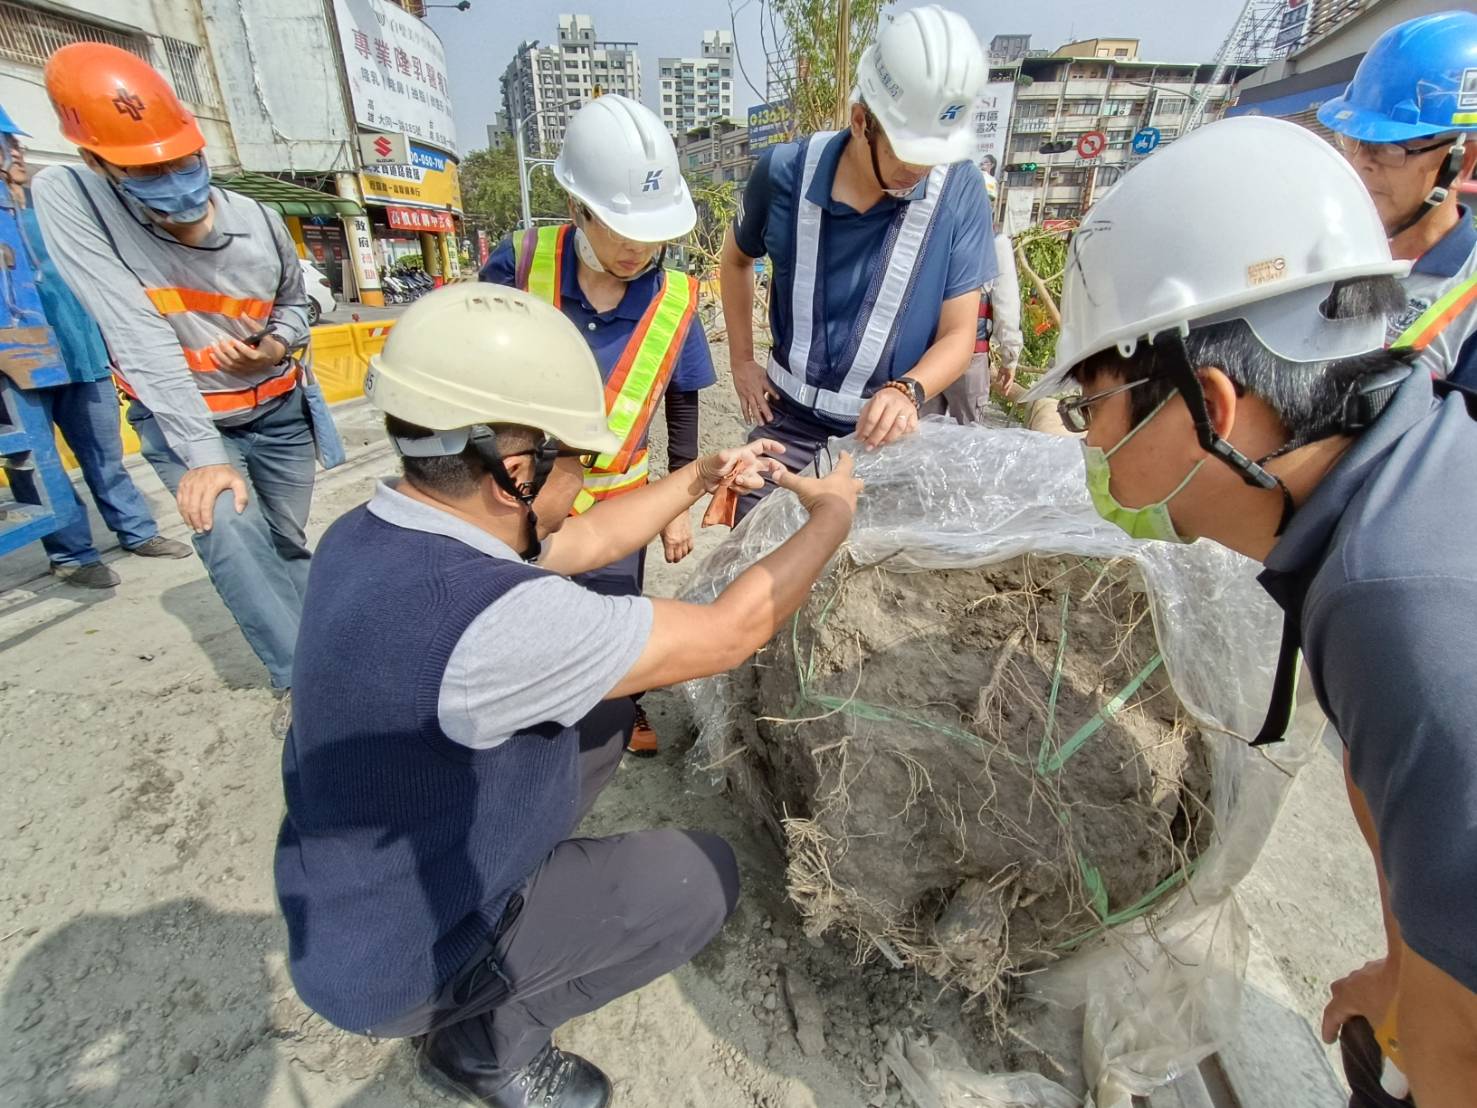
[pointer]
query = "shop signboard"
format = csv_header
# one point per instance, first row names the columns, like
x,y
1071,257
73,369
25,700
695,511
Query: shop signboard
x,y
429,180
989,122
770,124
397,71
420,219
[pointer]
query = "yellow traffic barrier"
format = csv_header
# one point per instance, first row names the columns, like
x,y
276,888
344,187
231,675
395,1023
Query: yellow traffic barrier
x,y
336,362
340,352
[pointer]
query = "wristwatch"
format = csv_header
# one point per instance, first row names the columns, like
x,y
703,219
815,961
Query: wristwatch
x,y
912,387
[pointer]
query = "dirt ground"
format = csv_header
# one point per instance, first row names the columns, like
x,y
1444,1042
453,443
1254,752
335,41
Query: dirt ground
x,y
142,959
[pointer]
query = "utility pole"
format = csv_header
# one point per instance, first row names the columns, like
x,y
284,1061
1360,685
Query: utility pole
x,y
522,174
843,60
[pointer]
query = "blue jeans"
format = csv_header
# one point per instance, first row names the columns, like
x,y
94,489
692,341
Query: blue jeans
x,y
87,416
258,560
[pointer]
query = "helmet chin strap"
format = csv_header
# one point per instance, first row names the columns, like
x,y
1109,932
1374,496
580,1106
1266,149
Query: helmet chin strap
x,y
484,441
896,194
1441,190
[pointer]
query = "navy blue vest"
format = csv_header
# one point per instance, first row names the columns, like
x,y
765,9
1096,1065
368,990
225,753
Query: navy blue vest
x,y
400,847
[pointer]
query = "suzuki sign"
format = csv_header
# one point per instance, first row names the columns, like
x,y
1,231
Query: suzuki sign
x,y
384,149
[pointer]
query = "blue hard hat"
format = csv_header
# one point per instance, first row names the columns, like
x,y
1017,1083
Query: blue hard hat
x,y
1418,79
7,125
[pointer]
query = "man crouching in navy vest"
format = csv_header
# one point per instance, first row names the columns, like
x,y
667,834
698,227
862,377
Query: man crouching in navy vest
x,y
880,239
460,703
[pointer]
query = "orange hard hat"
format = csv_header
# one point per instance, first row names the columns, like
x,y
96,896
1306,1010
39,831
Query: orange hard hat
x,y
118,106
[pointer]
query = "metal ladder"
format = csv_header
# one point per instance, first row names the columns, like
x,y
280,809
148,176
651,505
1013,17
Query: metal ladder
x,y
27,443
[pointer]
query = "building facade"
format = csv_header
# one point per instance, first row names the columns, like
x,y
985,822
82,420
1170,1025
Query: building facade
x,y
718,151
167,36
544,85
349,75
696,91
1061,99
1323,59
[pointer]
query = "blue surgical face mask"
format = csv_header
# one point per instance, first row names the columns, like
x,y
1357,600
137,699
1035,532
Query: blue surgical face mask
x,y
1152,521
181,196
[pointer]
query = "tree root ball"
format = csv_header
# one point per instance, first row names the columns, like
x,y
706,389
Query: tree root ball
x,y
973,771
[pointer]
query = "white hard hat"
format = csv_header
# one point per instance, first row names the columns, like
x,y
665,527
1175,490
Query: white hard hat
x,y
475,353
920,79
1249,218
618,159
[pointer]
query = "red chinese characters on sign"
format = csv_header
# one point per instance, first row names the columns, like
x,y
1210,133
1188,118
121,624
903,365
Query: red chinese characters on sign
x,y
419,219
361,43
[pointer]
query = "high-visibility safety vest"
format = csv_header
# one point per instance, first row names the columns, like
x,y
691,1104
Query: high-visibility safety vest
x,y
640,377
1439,316
178,301
892,279
202,294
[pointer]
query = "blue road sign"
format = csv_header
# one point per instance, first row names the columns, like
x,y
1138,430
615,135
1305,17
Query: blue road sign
x,y
1145,141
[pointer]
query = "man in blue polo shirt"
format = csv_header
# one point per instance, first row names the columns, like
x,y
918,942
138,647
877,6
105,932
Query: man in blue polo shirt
x,y
1406,123
880,240
1236,387
603,270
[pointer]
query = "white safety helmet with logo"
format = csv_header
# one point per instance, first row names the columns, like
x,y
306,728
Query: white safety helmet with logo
x,y
920,79
474,354
1251,218
620,162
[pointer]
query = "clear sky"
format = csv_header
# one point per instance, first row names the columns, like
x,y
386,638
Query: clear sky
x,y
480,42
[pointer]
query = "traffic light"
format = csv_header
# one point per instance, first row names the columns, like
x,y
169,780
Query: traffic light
x,y
1024,167
1057,146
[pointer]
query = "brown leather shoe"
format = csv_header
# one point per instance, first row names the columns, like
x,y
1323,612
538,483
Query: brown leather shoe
x,y
642,743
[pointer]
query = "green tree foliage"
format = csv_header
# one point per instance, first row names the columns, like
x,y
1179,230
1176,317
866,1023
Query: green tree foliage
x,y
717,204
1046,253
490,191
805,32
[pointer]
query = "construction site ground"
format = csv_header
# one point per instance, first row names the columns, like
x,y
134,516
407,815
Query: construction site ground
x,y
142,960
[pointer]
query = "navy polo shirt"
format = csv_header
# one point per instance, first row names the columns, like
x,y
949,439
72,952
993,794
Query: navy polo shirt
x,y
1381,562
960,256
1452,260
609,332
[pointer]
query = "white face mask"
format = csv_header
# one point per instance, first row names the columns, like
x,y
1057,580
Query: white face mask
x,y
585,250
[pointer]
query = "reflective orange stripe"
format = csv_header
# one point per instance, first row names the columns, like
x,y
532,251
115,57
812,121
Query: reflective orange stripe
x,y
658,386
237,400
246,399
174,301
201,361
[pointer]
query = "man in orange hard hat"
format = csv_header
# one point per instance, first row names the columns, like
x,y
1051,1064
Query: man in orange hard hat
x,y
200,297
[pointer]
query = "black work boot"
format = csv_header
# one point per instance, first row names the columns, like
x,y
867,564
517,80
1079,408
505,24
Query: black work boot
x,y
552,1080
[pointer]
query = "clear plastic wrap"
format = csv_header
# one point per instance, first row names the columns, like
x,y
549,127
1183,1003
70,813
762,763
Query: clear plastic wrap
x,y
1159,992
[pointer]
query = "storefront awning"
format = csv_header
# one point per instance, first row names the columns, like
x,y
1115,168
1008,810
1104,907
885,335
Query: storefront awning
x,y
287,198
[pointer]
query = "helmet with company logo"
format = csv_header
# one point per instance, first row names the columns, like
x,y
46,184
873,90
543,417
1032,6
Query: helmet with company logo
x,y
119,107
620,162
920,79
1418,79
1292,219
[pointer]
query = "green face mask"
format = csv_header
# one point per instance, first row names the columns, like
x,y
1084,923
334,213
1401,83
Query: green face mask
x,y
1149,522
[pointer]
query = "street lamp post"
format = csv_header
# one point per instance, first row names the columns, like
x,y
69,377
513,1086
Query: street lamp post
x,y
526,164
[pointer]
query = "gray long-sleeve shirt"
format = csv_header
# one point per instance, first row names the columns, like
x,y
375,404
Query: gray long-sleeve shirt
x,y
126,271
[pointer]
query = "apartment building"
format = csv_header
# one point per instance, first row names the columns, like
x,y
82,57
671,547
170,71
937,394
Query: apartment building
x,y
718,151
1077,91
544,85
696,91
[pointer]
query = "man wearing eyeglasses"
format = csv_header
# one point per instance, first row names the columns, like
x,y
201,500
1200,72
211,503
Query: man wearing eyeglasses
x,y
1406,123
199,297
